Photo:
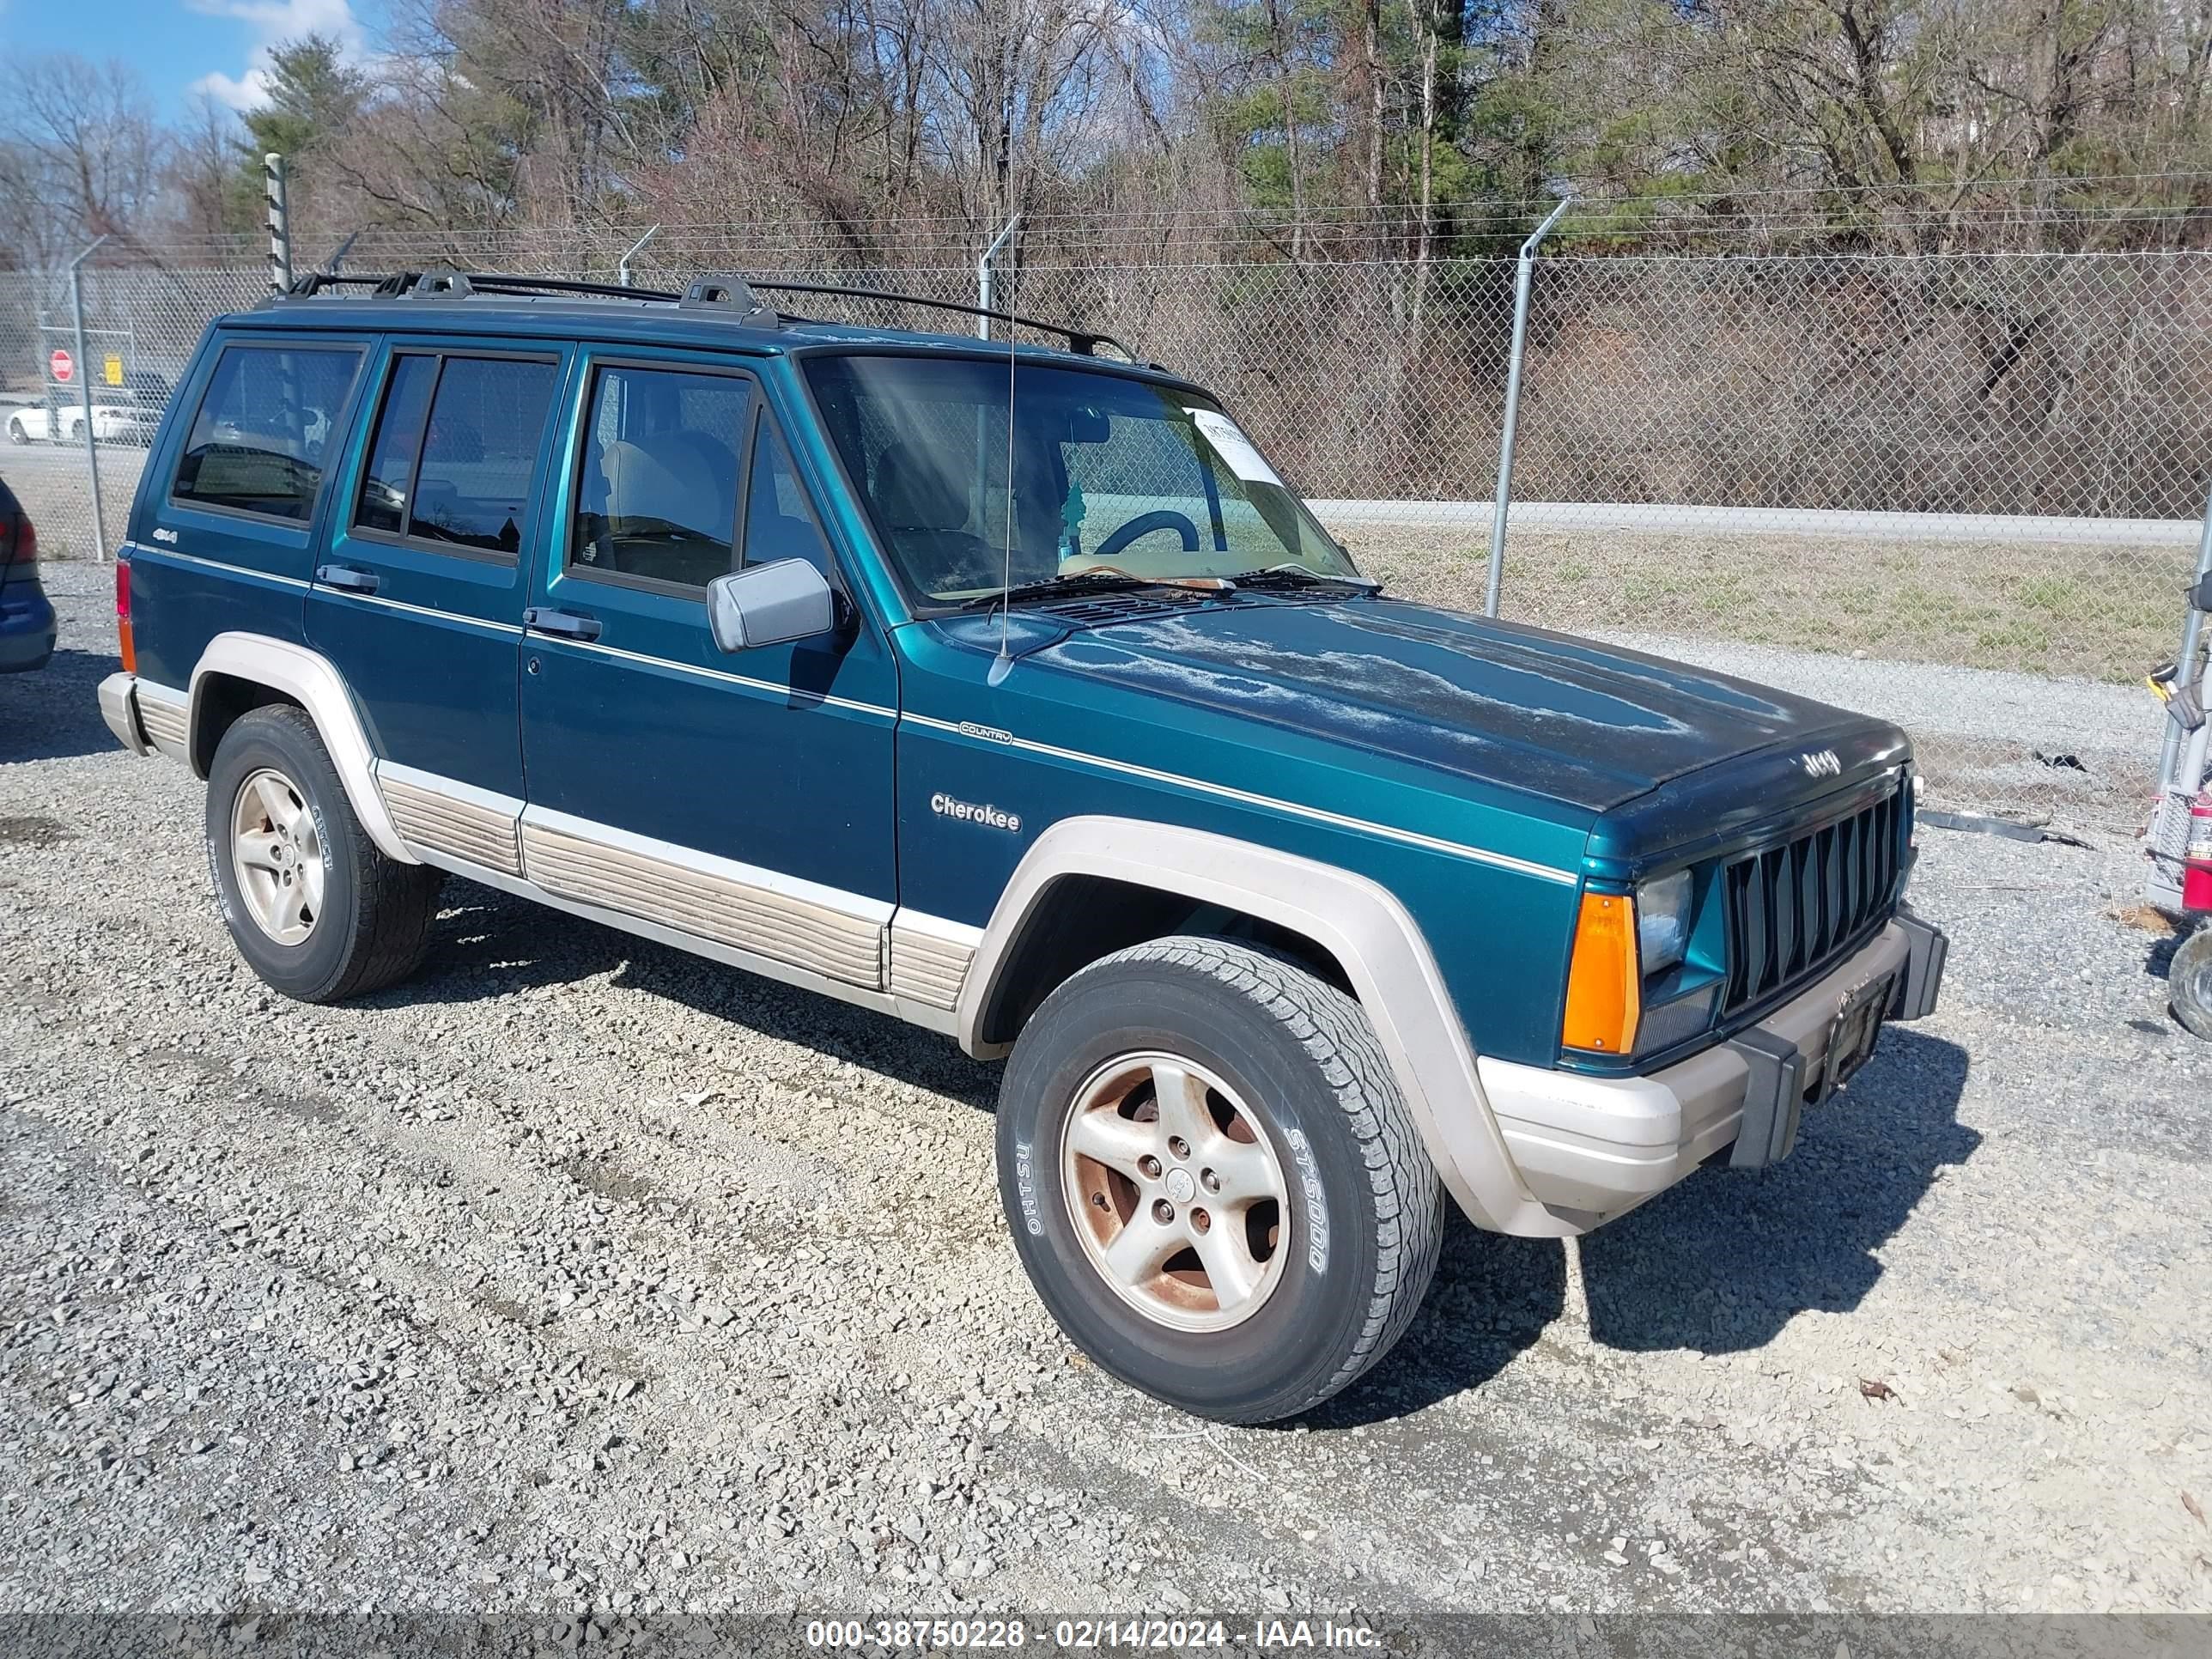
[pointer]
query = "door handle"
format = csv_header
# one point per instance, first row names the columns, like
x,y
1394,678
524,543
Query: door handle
x,y
347,578
562,625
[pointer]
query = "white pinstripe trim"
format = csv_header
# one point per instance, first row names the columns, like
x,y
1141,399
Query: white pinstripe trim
x,y
435,615
1246,798
159,555
727,678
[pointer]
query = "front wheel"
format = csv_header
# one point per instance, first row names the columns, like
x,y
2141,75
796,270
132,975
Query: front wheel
x,y
1212,1180
17,434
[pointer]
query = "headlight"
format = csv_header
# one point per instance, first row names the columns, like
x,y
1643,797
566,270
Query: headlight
x,y
1662,921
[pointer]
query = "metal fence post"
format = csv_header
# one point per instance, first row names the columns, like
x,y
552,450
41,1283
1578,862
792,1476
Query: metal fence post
x,y
280,225
2192,630
622,265
1503,498
84,397
983,275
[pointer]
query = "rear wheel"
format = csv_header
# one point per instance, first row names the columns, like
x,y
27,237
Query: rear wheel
x,y
1213,1181
18,433
316,909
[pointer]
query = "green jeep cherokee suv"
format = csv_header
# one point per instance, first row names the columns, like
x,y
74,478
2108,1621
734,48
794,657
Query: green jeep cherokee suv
x,y
1007,691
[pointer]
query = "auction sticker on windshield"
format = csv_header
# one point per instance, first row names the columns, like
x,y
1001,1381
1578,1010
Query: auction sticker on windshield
x,y
1230,443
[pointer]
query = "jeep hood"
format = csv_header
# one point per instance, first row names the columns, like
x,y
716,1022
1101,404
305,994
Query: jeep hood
x,y
1586,725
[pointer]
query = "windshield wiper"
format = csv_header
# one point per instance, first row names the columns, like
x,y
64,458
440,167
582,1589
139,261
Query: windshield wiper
x,y
1076,581
1297,575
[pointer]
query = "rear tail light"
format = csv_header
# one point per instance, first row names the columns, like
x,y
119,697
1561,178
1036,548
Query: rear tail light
x,y
19,550
2196,859
127,648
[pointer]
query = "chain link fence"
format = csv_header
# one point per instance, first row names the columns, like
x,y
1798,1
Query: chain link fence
x,y
1991,461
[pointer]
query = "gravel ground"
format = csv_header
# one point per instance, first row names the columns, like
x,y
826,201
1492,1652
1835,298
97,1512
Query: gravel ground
x,y
578,1272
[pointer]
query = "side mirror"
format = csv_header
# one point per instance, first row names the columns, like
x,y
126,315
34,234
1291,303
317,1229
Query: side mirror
x,y
769,604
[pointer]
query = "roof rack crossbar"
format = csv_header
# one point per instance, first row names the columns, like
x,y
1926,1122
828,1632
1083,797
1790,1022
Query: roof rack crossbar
x,y
316,281
719,291
1084,342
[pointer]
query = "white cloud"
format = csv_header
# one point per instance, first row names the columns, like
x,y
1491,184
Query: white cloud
x,y
245,91
275,21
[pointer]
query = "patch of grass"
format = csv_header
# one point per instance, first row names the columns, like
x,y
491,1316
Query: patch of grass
x,y
2104,612
2019,640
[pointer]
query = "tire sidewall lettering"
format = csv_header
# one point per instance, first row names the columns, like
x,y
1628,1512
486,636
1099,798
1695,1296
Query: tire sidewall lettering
x,y
1025,1187
1317,1199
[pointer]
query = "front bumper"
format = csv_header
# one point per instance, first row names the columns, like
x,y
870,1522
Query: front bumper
x,y
1597,1147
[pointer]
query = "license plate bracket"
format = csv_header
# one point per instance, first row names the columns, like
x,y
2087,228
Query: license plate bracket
x,y
1852,1038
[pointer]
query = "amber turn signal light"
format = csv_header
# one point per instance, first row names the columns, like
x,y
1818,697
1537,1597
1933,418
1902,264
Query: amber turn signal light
x,y
1604,991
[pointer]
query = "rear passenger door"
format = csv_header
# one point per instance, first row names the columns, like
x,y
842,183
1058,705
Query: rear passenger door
x,y
745,800
225,541
418,594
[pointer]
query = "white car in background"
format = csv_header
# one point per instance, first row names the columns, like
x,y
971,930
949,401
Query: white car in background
x,y
129,414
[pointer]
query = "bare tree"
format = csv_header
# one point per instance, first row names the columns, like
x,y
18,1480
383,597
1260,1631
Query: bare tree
x,y
82,156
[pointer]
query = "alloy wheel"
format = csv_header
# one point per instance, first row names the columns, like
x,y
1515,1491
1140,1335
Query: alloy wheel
x,y
276,854
1176,1195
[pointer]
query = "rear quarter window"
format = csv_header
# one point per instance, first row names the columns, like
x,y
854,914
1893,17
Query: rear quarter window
x,y
265,428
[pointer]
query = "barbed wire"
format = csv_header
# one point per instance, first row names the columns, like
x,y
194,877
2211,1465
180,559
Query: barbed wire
x,y
1708,212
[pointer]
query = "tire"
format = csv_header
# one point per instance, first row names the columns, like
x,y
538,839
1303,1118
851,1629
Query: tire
x,y
279,826
1280,1078
16,433
2189,984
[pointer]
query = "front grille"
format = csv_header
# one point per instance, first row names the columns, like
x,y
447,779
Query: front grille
x,y
1794,907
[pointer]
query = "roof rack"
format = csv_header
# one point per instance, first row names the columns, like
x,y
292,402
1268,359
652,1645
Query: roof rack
x,y
722,292
1084,342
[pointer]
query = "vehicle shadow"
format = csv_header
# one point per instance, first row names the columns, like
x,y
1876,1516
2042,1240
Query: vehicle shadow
x,y
53,713
488,944
1718,1265
1723,1262
1492,1298
2158,956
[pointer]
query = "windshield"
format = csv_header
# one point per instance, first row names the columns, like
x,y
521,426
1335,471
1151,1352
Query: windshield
x,y
1109,474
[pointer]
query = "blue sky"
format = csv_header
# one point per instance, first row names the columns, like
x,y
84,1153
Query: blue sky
x,y
182,48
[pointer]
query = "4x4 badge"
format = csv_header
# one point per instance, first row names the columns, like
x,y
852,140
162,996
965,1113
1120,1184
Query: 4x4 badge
x,y
1820,763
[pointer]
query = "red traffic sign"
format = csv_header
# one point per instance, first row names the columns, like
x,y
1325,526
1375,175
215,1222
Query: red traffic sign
x,y
64,367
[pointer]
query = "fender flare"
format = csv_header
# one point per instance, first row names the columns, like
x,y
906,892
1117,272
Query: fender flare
x,y
1358,921
311,681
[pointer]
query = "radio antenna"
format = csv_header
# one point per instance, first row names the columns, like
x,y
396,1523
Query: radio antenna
x,y
1003,664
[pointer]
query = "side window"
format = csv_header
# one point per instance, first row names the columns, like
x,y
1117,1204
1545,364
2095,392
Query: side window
x,y
259,442
658,494
456,443
779,522
390,469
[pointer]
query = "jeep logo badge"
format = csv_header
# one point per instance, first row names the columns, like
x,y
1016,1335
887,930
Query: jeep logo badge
x,y
1820,763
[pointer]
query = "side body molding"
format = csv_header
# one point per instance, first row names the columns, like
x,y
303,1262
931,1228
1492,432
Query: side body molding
x,y
1357,922
300,674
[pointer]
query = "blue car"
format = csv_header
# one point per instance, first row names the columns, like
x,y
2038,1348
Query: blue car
x,y
26,616
1009,692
